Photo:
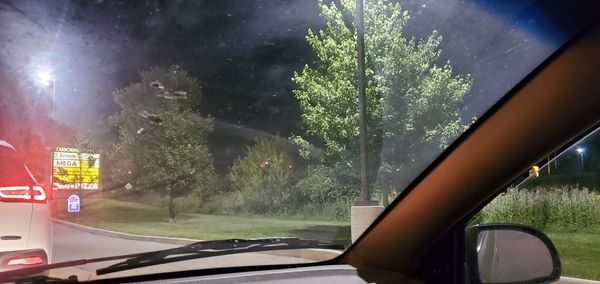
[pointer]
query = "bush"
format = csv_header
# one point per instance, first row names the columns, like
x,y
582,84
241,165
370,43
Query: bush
x,y
324,184
590,181
564,208
338,211
196,201
261,180
325,193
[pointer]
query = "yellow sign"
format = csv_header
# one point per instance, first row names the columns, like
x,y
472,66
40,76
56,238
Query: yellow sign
x,y
72,170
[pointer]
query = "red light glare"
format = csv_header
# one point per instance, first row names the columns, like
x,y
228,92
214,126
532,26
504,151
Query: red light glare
x,y
25,261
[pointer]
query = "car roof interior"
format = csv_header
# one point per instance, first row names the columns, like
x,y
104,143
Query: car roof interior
x,y
556,102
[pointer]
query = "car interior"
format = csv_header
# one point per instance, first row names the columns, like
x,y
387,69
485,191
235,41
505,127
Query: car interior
x,y
425,235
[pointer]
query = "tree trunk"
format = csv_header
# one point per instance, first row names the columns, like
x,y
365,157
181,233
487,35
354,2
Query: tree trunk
x,y
171,206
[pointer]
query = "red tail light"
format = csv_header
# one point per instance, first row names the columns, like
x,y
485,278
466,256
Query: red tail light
x,y
34,193
26,261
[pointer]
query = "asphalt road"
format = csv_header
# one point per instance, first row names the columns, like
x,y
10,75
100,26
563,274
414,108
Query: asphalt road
x,y
72,244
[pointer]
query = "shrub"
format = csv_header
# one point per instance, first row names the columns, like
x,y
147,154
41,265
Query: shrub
x,y
338,210
261,180
324,184
590,181
325,192
564,208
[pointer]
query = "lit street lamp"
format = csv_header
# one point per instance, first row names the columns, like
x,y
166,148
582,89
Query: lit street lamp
x,y
46,79
580,151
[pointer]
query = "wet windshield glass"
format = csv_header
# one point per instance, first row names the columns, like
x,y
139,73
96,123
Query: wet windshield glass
x,y
208,120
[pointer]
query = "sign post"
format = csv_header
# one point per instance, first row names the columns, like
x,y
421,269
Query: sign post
x,y
73,204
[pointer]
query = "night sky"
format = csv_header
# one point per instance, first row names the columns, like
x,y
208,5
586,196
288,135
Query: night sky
x,y
243,53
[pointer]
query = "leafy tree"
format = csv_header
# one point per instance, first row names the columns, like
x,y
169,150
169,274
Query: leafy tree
x,y
262,178
162,139
413,101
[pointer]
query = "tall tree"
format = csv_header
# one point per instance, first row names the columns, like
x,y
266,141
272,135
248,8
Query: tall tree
x,y
412,99
162,143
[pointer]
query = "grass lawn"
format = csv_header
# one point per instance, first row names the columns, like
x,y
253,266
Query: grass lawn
x,y
141,219
579,254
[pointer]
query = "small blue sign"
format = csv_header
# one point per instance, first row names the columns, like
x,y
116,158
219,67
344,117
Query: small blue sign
x,y
73,204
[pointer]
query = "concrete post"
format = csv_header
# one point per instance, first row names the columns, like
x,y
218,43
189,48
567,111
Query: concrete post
x,y
361,218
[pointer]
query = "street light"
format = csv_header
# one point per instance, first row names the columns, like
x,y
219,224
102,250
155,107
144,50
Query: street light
x,y
580,151
46,79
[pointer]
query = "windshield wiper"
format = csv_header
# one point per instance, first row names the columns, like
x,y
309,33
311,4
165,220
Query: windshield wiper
x,y
214,248
191,251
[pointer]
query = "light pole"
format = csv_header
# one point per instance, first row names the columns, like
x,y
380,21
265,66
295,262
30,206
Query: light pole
x,y
365,210
45,78
362,102
580,151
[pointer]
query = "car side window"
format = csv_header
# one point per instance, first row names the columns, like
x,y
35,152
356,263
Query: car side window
x,y
560,197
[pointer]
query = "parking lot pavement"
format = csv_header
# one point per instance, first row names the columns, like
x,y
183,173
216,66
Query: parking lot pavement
x,y
71,244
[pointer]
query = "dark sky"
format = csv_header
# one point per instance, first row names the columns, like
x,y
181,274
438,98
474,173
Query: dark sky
x,y
245,52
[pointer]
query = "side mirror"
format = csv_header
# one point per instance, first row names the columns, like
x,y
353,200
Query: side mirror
x,y
510,253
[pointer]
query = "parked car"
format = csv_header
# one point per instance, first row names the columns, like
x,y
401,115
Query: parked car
x,y
25,225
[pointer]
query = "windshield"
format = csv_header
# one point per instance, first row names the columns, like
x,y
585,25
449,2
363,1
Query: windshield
x,y
153,123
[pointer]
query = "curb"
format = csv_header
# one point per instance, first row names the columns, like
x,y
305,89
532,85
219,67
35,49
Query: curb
x,y
108,233
312,254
